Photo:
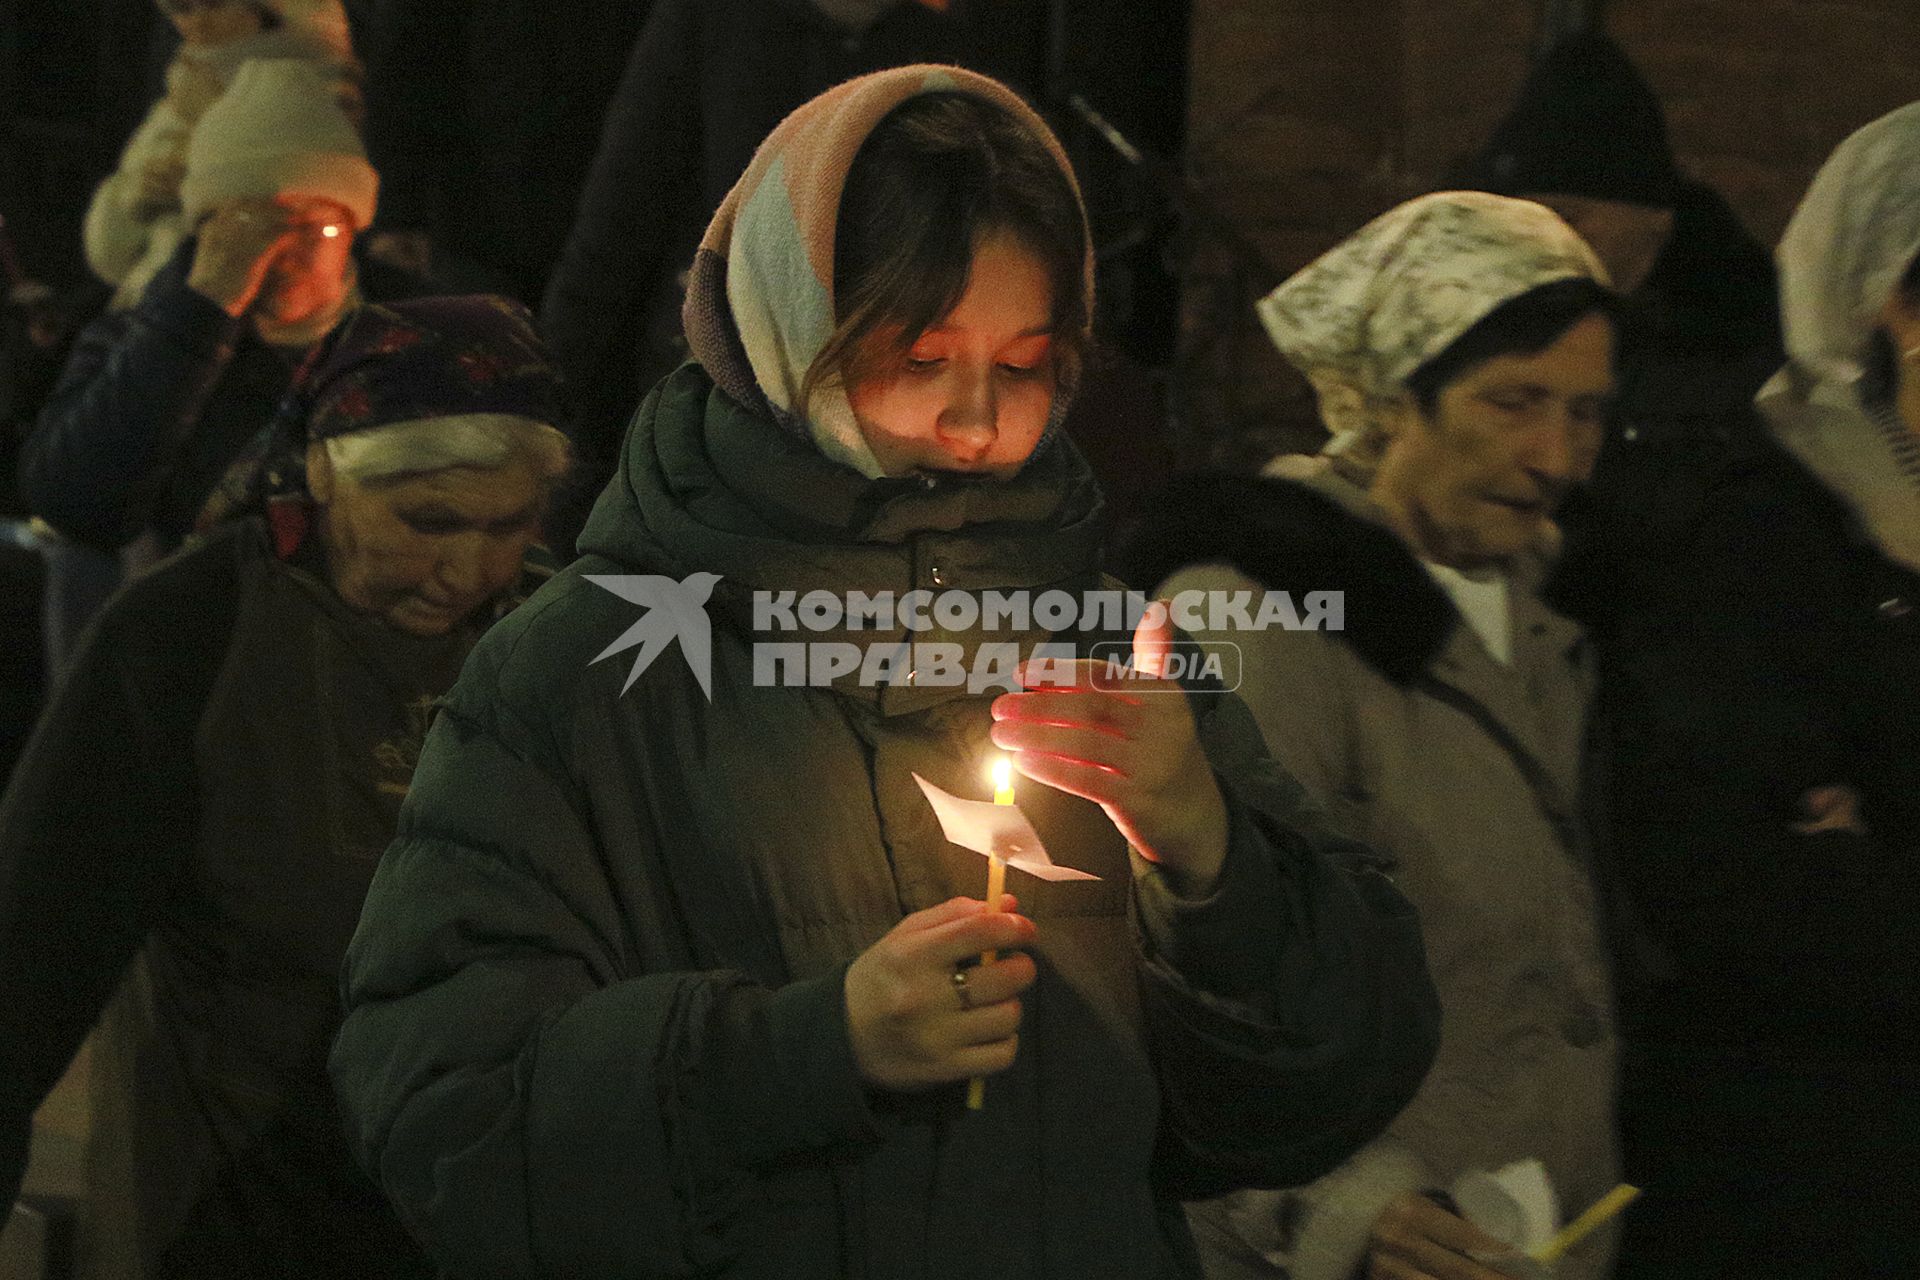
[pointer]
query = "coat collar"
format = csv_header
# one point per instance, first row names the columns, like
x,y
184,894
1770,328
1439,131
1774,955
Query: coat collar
x,y
708,485
1299,535
1306,528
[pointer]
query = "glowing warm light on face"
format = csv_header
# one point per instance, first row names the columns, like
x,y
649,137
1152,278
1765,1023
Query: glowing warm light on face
x,y
1003,781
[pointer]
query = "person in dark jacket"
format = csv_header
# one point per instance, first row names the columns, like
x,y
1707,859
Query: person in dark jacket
x,y
201,807
154,403
705,84
1768,787
669,971
1700,329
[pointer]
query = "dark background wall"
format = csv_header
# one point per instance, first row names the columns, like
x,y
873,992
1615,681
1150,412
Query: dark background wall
x,y
1303,118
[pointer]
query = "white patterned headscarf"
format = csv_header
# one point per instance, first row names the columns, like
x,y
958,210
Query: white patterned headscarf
x,y
1846,248
1361,318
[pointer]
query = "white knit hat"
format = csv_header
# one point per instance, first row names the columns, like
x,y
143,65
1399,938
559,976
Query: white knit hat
x,y
278,130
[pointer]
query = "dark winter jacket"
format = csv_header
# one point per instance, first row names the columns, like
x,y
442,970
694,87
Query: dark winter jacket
x,y
707,82
1772,651
596,1020
152,407
1769,1081
204,801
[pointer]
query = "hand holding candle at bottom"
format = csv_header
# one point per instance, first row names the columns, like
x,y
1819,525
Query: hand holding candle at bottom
x,y
1129,744
1000,833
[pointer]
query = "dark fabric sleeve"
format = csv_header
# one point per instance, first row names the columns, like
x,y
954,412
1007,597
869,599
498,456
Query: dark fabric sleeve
x,y
1289,1013
644,177
134,385
95,827
530,1099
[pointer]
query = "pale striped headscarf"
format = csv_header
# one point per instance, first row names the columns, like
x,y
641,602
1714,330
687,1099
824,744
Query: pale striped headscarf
x,y
760,303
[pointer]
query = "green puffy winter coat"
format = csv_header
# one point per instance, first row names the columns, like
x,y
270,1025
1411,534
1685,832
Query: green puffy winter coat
x,y
596,1021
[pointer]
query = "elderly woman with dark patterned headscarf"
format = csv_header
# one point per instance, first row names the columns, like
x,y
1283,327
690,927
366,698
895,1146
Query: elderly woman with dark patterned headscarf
x,y
207,795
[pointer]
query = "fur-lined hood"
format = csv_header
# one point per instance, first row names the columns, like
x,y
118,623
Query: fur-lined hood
x,y
1308,531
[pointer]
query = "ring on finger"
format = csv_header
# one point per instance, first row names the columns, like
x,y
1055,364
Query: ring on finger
x,y
960,988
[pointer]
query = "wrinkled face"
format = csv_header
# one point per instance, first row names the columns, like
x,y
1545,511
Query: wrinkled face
x,y
308,276
207,23
423,552
1901,320
1477,482
973,393
1627,238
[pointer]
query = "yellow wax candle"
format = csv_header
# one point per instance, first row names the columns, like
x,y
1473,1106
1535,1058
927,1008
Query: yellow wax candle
x,y
1584,1225
996,886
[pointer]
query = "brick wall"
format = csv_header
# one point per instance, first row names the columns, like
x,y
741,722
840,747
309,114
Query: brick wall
x,y
1307,117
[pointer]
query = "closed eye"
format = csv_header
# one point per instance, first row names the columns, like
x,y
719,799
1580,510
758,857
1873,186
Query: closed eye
x,y
1511,401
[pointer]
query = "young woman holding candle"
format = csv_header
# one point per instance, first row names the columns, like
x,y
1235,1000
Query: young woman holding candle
x,y
661,980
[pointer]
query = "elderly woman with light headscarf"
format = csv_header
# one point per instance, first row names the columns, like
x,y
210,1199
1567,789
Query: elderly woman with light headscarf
x,y
202,806
1766,786
1462,349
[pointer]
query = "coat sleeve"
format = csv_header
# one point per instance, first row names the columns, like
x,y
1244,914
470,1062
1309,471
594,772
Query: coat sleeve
x,y
133,386
1291,1013
644,184
1316,1231
114,235
94,828
531,1100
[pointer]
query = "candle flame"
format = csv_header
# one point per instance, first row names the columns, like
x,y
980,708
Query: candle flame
x,y
330,231
1003,781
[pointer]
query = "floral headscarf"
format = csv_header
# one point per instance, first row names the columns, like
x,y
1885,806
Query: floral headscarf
x,y
388,366
1360,319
